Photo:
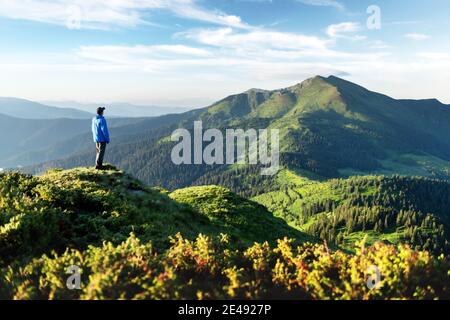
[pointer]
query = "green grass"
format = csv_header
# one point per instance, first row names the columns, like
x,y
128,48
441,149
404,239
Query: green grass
x,y
80,207
407,165
136,242
297,194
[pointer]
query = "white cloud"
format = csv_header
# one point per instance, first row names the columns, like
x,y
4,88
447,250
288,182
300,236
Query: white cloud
x,y
188,9
105,13
417,36
122,54
378,45
220,60
264,44
257,40
224,51
342,29
409,78
434,55
323,3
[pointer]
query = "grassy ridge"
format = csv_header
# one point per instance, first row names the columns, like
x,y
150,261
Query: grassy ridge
x,y
81,207
137,242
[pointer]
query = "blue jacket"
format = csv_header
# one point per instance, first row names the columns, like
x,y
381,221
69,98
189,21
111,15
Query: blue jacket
x,y
100,129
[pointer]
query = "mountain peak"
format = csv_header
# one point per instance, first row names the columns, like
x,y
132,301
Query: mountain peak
x,y
332,77
256,90
333,80
306,83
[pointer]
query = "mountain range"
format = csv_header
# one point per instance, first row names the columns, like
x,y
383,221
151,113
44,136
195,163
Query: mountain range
x,y
361,172
121,110
32,132
22,140
25,109
329,128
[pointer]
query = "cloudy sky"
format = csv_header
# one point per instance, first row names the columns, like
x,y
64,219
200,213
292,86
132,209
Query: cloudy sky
x,y
194,52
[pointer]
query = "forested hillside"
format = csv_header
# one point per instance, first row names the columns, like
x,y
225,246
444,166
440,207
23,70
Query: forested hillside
x,y
131,241
396,209
358,168
329,128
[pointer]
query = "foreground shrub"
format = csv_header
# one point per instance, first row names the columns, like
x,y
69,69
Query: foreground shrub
x,y
209,269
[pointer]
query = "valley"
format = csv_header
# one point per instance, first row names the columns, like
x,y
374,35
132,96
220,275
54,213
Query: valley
x,y
364,180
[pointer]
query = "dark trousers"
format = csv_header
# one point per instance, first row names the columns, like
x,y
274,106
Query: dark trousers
x,y
101,148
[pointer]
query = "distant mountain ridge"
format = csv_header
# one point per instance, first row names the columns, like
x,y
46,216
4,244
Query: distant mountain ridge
x,y
329,127
27,141
25,109
32,132
117,109
360,171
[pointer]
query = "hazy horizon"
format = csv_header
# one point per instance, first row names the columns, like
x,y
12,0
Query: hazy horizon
x,y
195,52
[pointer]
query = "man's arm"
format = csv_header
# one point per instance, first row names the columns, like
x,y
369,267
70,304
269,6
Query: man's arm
x,y
104,128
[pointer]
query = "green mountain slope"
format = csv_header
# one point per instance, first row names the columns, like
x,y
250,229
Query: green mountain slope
x,y
81,207
329,128
130,241
393,209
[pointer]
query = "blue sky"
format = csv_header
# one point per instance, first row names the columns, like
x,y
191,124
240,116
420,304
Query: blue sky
x,y
194,52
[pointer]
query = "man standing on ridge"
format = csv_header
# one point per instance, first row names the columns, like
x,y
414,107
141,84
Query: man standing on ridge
x,y
101,136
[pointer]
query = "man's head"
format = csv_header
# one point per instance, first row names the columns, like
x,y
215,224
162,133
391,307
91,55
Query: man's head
x,y
100,111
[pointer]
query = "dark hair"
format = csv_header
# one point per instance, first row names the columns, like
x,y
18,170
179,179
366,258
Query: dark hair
x,y
100,110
